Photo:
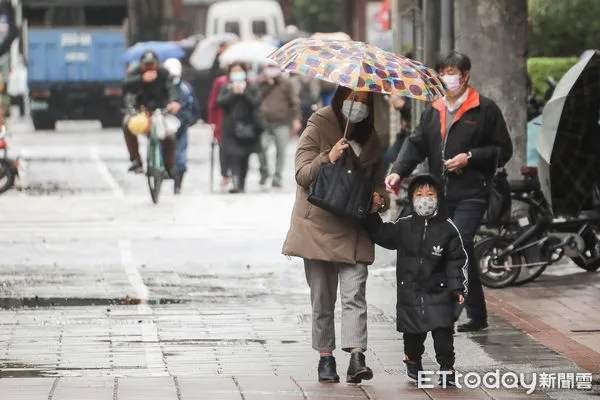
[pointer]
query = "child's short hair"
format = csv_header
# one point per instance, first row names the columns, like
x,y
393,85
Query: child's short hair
x,y
424,184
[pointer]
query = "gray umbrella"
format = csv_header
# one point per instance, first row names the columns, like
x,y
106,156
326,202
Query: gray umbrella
x,y
569,139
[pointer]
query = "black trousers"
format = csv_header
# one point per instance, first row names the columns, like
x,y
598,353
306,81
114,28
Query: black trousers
x,y
443,342
20,101
467,216
225,171
238,165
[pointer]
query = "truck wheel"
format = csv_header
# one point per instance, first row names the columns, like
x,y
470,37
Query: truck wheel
x,y
43,123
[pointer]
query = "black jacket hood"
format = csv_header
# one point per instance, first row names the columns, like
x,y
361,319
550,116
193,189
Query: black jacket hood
x,y
426,178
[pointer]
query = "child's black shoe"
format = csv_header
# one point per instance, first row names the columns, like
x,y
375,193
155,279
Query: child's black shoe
x,y
447,377
413,368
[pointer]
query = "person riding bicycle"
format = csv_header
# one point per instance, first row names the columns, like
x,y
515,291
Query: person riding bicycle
x,y
150,86
189,114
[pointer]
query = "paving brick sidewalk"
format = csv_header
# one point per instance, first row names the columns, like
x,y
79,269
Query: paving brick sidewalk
x,y
190,351
245,387
561,310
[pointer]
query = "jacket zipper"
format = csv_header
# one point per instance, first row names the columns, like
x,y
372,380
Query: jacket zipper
x,y
444,172
421,264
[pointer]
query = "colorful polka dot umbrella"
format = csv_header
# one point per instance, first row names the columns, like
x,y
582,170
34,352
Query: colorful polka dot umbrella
x,y
360,67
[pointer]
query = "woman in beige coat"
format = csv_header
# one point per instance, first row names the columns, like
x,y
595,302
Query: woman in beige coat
x,y
335,249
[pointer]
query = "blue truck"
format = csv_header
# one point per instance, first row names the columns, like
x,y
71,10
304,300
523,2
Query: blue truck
x,y
75,74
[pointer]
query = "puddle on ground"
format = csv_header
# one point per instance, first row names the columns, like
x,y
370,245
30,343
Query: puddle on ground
x,y
11,303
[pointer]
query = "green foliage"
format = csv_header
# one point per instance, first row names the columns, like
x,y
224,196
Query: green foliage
x,y
319,15
563,28
542,67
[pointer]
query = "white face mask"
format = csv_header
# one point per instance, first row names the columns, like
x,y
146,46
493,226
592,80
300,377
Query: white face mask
x,y
177,81
453,83
425,206
360,111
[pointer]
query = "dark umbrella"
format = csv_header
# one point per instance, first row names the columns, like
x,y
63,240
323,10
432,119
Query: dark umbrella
x,y
569,139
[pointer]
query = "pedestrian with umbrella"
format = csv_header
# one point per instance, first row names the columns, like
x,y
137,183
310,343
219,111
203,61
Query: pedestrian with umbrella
x,y
337,250
242,125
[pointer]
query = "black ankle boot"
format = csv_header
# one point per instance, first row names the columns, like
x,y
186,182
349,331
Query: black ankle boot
x,y
178,182
412,369
327,370
357,369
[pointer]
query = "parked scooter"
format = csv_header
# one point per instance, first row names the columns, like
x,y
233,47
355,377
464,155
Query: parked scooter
x,y
533,239
9,168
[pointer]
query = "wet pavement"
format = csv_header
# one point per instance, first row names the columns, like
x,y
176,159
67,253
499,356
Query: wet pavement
x,y
107,296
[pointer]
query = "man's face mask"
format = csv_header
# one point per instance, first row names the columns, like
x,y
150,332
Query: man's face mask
x,y
453,82
177,81
360,111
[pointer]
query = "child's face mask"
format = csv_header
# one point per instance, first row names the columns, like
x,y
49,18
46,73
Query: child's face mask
x,y
425,201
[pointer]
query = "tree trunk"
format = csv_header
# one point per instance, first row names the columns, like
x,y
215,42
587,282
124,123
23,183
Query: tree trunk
x,y
493,34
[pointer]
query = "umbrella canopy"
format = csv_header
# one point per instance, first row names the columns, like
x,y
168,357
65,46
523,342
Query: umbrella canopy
x,y
533,128
164,50
569,140
331,36
360,67
203,57
251,52
189,43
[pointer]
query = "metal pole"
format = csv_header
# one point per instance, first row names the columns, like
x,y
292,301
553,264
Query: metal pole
x,y
447,26
419,54
396,28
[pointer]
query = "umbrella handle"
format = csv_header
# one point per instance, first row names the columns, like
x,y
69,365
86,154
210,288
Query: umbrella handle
x,y
349,114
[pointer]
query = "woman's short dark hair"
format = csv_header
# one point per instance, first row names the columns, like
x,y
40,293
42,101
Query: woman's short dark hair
x,y
237,64
454,59
363,129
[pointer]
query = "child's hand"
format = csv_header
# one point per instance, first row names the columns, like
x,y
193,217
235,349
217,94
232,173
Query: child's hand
x,y
460,298
378,202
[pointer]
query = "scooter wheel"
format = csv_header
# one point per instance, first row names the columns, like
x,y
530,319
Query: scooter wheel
x,y
496,274
7,176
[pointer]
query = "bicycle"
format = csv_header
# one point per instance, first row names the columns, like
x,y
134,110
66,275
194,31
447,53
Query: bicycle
x,y
159,128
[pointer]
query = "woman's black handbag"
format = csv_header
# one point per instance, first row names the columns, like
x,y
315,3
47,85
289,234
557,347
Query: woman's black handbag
x,y
500,202
342,189
245,131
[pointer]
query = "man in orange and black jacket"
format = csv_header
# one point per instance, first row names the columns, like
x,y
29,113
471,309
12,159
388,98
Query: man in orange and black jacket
x,y
464,137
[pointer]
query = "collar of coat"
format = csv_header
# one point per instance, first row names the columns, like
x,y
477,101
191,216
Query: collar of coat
x,y
470,103
326,124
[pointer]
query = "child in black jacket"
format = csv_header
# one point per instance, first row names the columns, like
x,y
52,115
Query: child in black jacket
x,y
431,274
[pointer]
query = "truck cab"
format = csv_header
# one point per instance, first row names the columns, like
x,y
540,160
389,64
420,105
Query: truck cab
x,y
246,18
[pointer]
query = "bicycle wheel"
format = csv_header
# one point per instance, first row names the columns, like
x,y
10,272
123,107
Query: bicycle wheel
x,y
496,275
155,169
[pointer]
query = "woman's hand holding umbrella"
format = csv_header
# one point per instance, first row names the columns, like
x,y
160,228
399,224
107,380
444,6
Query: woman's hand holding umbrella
x,y
337,150
238,87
